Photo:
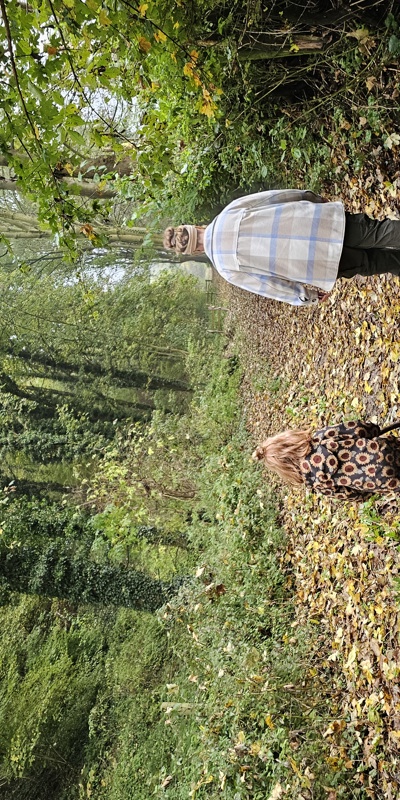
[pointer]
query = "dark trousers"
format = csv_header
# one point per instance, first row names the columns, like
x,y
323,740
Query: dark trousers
x,y
370,247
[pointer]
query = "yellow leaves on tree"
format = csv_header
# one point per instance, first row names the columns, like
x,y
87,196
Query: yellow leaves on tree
x,y
160,36
144,44
88,231
207,104
104,19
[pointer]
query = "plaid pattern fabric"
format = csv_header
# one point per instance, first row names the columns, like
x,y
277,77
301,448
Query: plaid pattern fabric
x,y
278,244
352,461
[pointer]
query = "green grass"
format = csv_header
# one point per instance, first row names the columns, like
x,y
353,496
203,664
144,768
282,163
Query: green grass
x,y
217,696
221,698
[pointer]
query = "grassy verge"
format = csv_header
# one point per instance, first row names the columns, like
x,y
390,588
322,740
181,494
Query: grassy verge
x,y
221,696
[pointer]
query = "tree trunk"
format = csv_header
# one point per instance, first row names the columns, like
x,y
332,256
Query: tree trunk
x,y
51,399
30,488
103,163
296,46
78,188
131,378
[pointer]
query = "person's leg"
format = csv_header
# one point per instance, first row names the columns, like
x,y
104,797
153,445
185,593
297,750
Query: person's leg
x,y
355,261
366,233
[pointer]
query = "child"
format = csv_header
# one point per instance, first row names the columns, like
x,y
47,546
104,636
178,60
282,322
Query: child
x,y
349,461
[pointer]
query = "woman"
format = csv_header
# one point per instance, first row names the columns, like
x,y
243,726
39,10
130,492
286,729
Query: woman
x,y
351,460
291,245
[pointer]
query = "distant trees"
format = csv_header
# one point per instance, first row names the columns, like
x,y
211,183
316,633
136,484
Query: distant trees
x,y
79,356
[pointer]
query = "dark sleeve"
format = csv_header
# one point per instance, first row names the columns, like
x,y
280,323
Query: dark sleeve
x,y
367,430
312,197
344,493
358,428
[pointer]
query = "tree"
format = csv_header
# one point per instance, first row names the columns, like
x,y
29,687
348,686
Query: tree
x,y
65,63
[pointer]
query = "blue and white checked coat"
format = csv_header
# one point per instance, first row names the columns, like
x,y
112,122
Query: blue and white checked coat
x,y
278,244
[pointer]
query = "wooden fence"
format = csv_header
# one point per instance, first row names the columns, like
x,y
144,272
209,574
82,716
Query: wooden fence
x,y
216,317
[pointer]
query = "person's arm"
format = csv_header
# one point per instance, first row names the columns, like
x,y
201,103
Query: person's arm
x,y
292,292
342,493
312,197
356,429
359,429
275,197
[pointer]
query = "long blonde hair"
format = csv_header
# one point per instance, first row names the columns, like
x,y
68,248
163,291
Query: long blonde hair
x,y
283,453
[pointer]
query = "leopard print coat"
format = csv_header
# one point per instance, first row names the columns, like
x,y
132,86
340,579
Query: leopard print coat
x,y
352,461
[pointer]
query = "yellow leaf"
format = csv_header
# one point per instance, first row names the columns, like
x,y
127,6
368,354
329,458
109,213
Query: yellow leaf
x,y
208,108
352,656
188,69
355,402
294,766
143,8
160,36
268,721
361,34
144,44
276,793
366,667
103,18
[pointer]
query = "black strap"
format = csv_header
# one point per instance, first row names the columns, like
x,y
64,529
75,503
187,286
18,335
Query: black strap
x,y
390,428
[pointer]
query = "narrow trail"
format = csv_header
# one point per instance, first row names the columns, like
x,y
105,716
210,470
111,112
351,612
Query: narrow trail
x,y
310,368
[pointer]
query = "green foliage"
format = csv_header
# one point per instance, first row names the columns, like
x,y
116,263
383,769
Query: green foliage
x,y
64,437
230,686
72,369
45,550
150,471
219,696
208,117
50,674
219,685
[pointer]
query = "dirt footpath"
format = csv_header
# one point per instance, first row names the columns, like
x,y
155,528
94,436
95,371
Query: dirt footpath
x,y
309,368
